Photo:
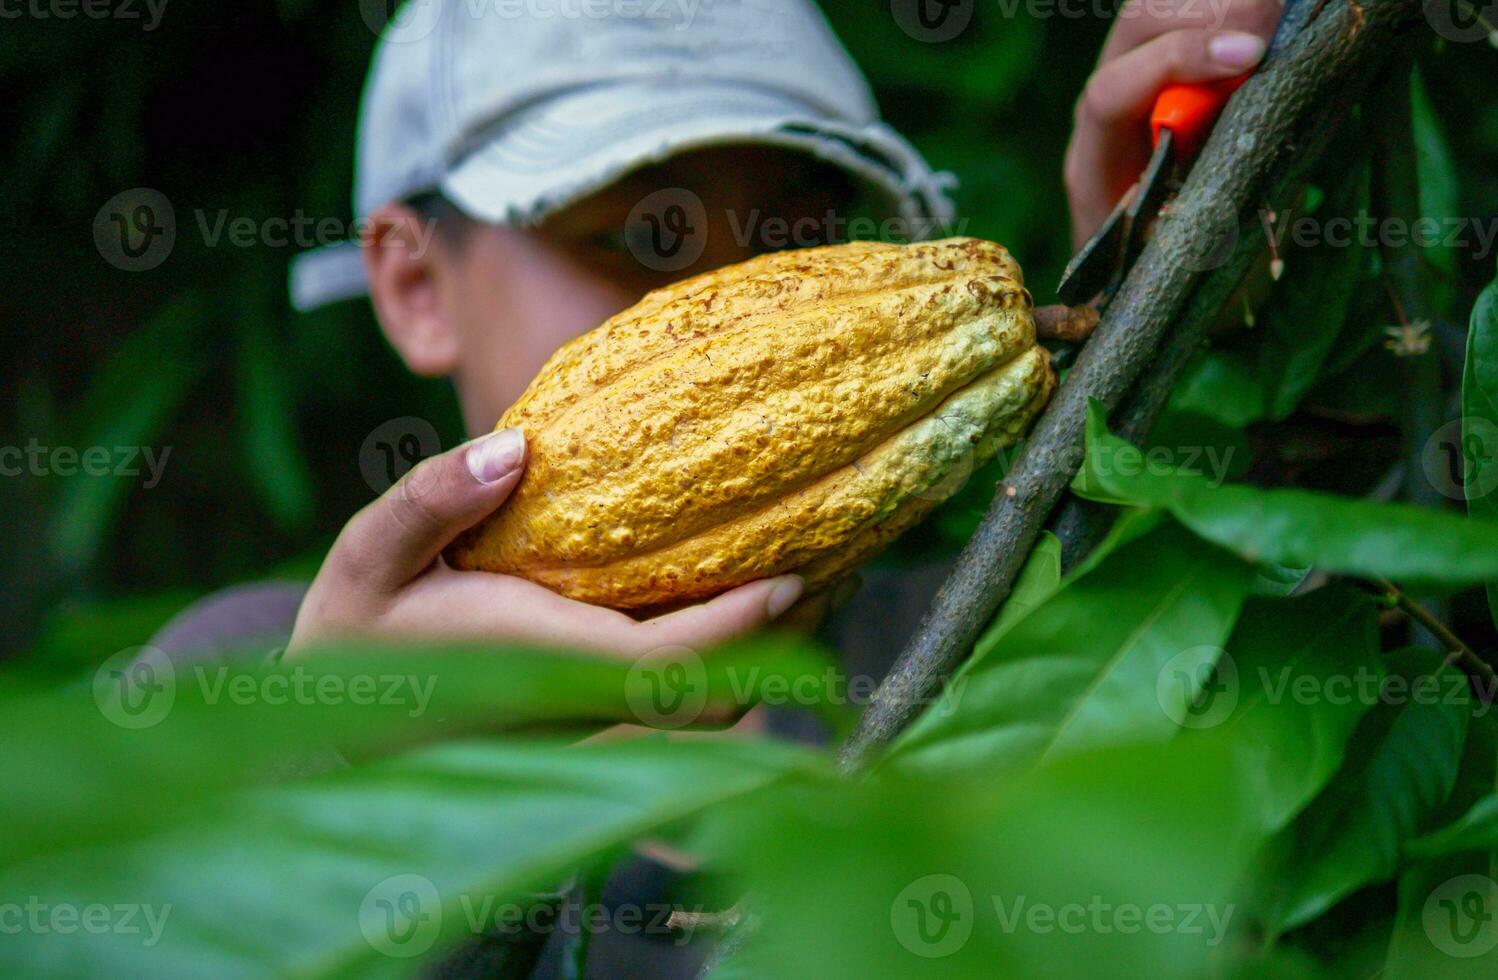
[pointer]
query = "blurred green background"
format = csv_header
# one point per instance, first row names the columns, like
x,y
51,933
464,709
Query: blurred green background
x,y
250,108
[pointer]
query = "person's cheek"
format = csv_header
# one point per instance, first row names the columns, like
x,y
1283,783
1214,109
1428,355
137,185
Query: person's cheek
x,y
519,302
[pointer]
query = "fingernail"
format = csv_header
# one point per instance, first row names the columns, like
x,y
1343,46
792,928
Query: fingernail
x,y
1236,49
788,589
495,456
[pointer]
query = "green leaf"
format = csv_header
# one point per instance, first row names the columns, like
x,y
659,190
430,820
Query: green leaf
x,y
1299,327
151,739
274,463
1294,527
1480,418
1447,925
1221,385
1040,577
1401,767
1048,873
1439,190
983,63
1084,669
78,635
1278,580
1265,372
1291,684
298,879
1477,830
129,404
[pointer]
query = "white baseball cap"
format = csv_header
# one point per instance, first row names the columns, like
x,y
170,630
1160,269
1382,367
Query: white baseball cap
x,y
515,109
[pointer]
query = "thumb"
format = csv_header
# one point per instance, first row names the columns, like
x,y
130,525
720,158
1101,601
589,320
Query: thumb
x,y
398,536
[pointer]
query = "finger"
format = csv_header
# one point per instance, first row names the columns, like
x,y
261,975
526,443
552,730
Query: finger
x,y
731,614
807,614
1141,21
1110,146
398,536
481,606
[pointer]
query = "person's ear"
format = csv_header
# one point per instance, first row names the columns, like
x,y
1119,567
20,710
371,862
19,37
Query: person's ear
x,y
406,268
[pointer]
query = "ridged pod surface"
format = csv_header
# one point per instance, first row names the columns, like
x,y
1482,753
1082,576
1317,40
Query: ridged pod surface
x,y
793,413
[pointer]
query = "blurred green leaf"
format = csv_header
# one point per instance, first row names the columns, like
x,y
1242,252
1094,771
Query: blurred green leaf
x,y
147,739
1477,830
1087,667
1222,386
1440,195
1052,873
1278,580
1480,418
1301,323
1294,527
274,463
79,635
1402,764
323,871
129,405
1265,372
984,63
1447,927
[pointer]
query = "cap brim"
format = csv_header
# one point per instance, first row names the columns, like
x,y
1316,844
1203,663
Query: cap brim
x,y
559,152
567,148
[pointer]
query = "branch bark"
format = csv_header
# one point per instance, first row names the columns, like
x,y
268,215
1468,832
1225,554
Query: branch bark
x,y
1322,49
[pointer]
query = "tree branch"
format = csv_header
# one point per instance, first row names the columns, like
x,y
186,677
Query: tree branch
x,y
1322,49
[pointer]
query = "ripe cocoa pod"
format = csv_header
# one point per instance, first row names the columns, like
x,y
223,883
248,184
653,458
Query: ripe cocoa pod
x,y
794,413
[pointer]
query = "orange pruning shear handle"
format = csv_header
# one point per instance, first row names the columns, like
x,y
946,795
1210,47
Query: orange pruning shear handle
x,y
1189,112
1180,123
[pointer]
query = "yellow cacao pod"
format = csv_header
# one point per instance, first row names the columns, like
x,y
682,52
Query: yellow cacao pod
x,y
793,413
